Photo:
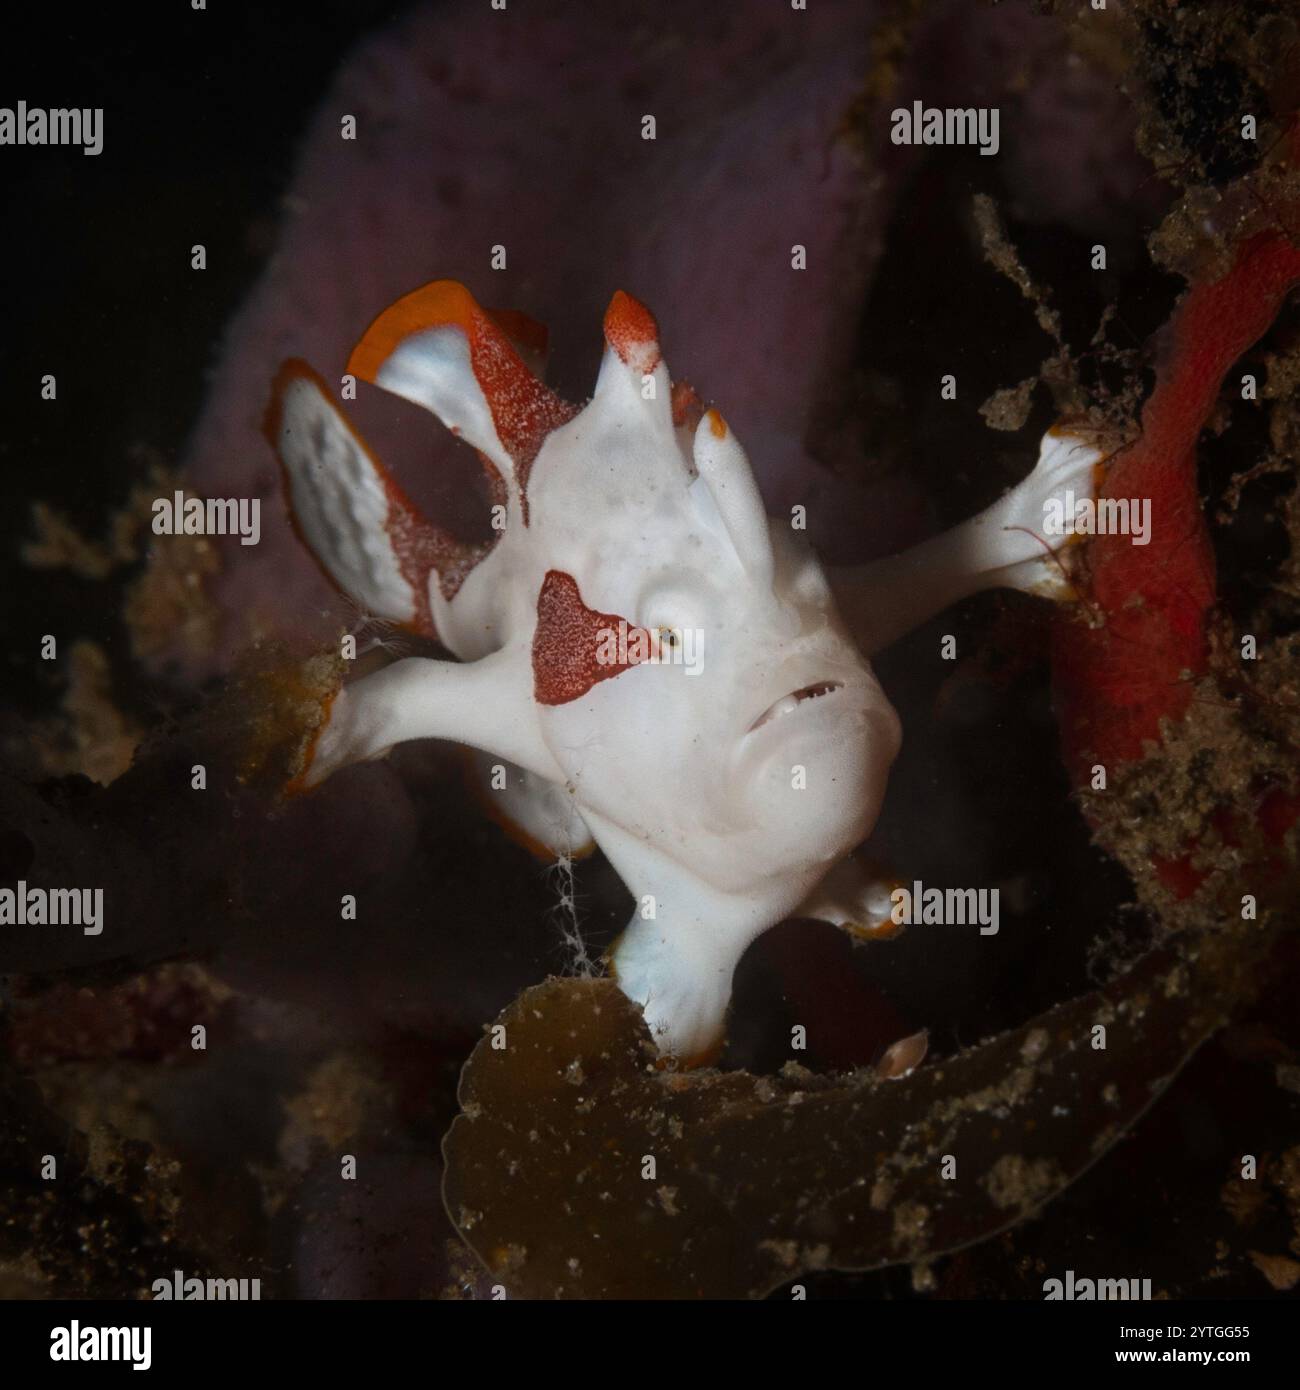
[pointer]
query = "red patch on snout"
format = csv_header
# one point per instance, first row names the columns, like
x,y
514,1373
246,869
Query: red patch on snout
x,y
574,646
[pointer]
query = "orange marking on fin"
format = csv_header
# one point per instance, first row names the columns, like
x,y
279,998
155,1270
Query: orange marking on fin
x,y
717,425
443,302
884,930
297,786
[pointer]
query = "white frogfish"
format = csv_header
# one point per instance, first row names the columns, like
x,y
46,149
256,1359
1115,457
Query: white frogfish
x,y
647,660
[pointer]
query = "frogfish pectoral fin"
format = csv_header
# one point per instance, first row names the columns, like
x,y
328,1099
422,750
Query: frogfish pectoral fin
x,y
368,536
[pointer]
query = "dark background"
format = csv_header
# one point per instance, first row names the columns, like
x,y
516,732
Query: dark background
x,y
203,114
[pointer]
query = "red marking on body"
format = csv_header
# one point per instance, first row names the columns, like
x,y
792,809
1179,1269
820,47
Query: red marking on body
x,y
631,330
572,643
419,546
523,410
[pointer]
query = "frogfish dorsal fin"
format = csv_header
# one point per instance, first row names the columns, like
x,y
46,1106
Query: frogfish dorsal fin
x,y
439,348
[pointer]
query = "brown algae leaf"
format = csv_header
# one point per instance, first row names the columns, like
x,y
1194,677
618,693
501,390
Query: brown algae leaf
x,y
776,1175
